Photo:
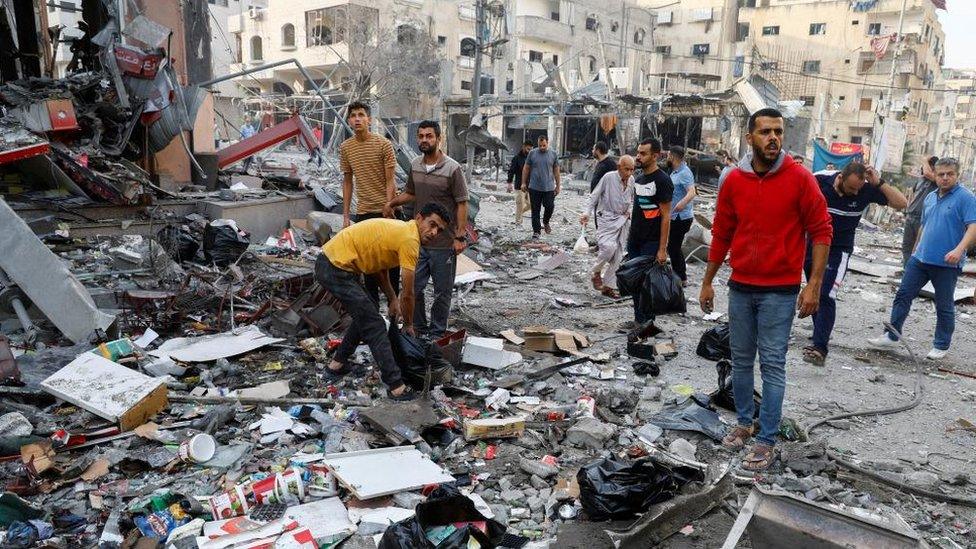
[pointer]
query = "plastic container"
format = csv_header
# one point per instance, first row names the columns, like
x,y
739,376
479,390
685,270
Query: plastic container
x,y
291,487
199,448
228,504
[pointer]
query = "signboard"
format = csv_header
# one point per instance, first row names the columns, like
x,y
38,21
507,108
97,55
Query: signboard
x,y
846,148
892,147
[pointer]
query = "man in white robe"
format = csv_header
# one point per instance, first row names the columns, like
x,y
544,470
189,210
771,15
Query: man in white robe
x,y
612,199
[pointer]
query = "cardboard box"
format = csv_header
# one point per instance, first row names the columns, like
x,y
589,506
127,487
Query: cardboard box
x,y
539,338
508,427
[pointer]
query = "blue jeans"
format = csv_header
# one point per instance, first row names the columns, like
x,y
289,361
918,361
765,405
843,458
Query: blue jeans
x,y
439,265
760,322
826,315
917,274
638,249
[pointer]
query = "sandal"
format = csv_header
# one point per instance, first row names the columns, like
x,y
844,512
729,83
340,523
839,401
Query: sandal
x,y
813,355
737,437
759,458
407,395
597,282
341,372
612,293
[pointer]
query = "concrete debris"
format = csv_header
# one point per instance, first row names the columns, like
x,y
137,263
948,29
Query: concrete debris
x,y
589,433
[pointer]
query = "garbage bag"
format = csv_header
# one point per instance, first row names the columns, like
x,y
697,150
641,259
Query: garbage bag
x,y
445,506
179,243
581,246
630,274
714,344
661,292
724,397
415,356
224,242
615,489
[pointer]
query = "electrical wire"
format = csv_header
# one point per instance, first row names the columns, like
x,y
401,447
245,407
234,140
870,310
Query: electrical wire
x,y
916,400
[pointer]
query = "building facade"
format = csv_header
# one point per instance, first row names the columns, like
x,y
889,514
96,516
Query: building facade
x,y
960,139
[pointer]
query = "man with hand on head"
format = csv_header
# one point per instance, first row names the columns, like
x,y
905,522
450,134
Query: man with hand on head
x,y
612,200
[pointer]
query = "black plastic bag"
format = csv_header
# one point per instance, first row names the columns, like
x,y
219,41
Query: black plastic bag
x,y
178,242
661,293
445,505
223,242
714,344
415,356
631,273
724,397
614,489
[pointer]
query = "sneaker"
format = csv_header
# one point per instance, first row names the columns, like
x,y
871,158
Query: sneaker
x,y
937,354
548,229
535,236
883,343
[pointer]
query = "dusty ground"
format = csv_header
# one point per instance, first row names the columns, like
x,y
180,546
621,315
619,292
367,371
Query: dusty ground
x,y
850,381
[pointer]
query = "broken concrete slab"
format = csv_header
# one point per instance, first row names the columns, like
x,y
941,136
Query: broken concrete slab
x,y
108,390
590,433
212,347
46,280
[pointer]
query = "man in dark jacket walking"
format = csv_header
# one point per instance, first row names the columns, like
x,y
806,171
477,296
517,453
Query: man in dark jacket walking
x,y
515,176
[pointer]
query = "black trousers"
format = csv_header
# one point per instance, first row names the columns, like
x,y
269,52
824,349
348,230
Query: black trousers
x,y
372,282
367,324
541,200
679,228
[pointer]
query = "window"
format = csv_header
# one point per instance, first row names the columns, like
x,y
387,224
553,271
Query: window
x,y
441,40
614,26
847,61
867,104
509,86
240,47
639,36
811,67
741,32
408,35
666,50
818,28
874,29
591,23
340,23
468,47
535,56
257,53
855,22
288,36
222,3
700,49
466,85
841,98
808,100
769,65
592,64
771,31
555,60
747,3
554,10
856,139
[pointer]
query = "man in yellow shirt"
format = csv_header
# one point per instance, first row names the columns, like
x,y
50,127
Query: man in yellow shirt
x,y
371,247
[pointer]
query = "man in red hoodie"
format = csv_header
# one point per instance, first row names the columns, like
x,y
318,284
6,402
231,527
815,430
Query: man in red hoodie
x,y
767,208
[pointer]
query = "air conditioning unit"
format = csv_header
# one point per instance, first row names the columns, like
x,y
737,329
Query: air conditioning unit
x,y
255,13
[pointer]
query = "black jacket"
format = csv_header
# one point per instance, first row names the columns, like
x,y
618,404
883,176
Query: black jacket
x,y
515,169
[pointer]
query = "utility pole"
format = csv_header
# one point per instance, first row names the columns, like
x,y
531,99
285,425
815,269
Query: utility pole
x,y
889,111
479,23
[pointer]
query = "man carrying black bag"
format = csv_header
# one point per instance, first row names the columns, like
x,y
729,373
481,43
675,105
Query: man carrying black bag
x,y
650,220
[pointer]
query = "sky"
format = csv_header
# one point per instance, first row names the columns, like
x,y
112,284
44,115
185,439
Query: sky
x,y
957,24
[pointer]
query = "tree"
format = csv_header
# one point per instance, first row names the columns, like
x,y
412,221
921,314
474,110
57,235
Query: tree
x,y
399,66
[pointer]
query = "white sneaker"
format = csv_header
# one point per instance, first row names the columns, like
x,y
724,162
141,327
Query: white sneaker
x,y
937,354
883,343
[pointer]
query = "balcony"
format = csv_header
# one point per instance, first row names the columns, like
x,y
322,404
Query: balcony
x,y
465,62
541,28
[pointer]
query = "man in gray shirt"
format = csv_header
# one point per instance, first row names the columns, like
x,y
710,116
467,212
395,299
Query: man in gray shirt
x,y
913,214
438,178
540,176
